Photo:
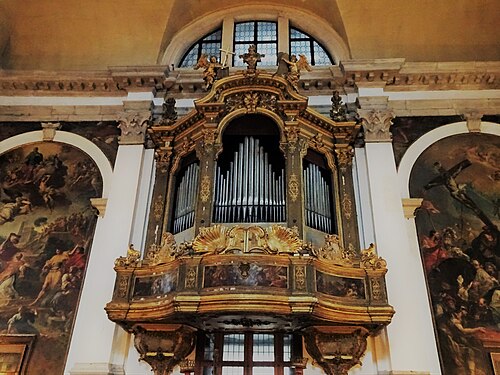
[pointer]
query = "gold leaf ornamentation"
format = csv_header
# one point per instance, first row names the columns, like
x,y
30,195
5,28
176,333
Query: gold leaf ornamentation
x,y
205,189
293,187
283,240
370,259
211,240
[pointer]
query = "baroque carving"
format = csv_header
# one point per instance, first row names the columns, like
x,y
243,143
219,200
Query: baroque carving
x,y
293,187
205,189
346,204
338,112
190,281
376,124
251,58
218,239
133,128
158,208
300,278
166,348
370,259
344,157
131,260
163,159
163,253
336,349
122,289
378,289
251,101
334,252
169,115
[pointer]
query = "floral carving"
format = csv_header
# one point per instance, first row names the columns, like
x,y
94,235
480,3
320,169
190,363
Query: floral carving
x,y
344,157
205,189
300,277
190,278
122,287
251,101
293,187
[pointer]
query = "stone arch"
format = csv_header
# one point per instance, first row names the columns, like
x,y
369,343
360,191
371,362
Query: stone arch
x,y
75,140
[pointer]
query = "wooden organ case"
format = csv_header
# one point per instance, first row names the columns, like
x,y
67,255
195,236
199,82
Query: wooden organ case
x,y
252,232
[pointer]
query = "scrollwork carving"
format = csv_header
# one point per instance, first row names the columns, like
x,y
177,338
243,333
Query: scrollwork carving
x,y
334,251
131,260
370,259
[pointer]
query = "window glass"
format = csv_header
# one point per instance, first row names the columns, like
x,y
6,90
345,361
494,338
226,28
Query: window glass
x,y
209,44
263,371
303,44
263,34
263,347
234,347
232,370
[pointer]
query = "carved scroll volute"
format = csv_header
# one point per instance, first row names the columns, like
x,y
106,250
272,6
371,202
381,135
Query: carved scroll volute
x,y
336,349
164,347
344,157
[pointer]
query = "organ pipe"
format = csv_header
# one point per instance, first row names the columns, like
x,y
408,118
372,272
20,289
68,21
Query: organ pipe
x,y
318,213
186,199
249,191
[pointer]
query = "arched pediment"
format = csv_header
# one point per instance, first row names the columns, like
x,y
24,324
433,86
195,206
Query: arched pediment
x,y
262,93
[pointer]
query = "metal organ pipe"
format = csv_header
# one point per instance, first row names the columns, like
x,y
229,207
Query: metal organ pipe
x,y
249,191
317,199
186,197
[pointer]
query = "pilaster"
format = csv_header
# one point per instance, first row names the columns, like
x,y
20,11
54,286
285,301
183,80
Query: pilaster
x,y
109,343
410,335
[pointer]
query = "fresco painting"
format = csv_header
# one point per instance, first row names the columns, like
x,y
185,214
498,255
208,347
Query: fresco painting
x,y
458,226
46,228
245,274
340,286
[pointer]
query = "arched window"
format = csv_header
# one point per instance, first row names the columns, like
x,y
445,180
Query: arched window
x,y
302,43
264,34
209,44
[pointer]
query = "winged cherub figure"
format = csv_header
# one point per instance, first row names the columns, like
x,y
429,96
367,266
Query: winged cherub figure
x,y
294,68
211,68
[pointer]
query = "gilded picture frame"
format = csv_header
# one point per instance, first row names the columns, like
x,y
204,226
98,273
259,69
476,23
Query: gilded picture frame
x,y
14,353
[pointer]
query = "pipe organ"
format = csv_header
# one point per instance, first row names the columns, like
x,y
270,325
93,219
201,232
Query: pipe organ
x,y
317,193
249,191
252,152
186,197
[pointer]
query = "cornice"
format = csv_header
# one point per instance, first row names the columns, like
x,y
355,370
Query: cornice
x,y
390,74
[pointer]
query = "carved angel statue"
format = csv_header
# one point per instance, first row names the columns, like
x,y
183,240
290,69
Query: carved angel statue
x,y
290,68
211,69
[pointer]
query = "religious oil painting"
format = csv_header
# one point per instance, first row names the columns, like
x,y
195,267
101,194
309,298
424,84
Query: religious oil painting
x,y
458,226
245,275
46,228
155,286
337,286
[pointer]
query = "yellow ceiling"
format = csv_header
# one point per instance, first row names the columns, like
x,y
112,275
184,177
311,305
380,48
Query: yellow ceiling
x,y
96,34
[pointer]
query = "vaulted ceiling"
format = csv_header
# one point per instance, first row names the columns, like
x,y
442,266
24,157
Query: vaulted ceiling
x,y
96,34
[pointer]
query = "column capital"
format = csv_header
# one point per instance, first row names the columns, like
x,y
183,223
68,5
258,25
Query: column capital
x,y
376,124
133,126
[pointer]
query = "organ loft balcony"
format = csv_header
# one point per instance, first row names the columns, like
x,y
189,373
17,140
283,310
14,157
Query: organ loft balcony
x,y
252,232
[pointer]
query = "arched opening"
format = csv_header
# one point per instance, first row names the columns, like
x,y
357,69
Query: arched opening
x,y
250,173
